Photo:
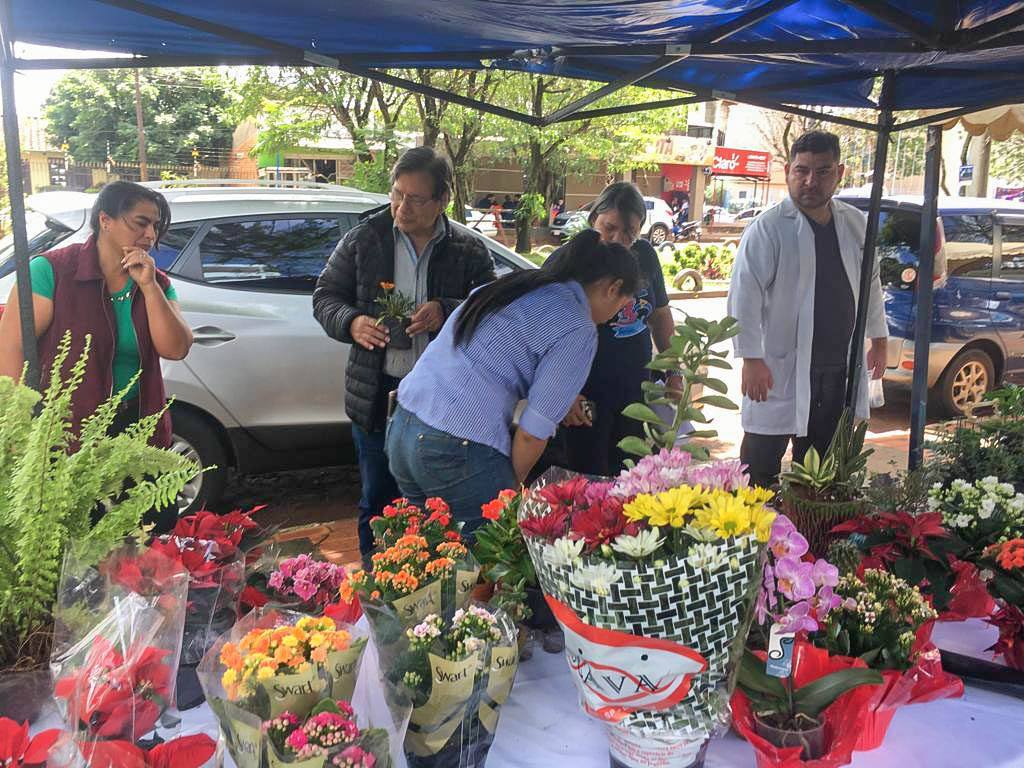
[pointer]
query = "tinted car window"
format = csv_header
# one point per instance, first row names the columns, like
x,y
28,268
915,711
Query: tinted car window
x,y
172,244
283,254
1013,252
43,234
897,245
969,250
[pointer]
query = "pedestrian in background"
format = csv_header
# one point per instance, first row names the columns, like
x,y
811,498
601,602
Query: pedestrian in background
x,y
412,245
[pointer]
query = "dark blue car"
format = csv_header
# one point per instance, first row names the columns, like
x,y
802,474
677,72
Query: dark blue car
x,y
978,317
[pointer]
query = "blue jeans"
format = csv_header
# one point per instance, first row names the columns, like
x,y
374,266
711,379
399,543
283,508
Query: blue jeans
x,y
379,487
428,462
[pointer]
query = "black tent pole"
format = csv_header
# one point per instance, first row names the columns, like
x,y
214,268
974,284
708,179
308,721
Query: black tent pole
x,y
16,195
925,289
885,122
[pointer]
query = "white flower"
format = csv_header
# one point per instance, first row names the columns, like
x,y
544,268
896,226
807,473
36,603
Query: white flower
x,y
959,485
596,578
563,551
706,556
1017,503
986,575
937,487
988,483
962,521
934,503
1006,489
640,545
988,506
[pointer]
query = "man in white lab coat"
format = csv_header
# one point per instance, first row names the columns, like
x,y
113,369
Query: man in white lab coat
x,y
794,291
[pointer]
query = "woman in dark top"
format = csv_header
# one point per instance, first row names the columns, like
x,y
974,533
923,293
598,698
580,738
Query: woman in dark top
x,y
624,344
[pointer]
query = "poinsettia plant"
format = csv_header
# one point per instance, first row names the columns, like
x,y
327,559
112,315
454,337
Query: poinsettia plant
x,y
117,695
18,750
192,751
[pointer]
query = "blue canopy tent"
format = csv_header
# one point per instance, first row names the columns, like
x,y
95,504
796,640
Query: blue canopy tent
x,y
887,55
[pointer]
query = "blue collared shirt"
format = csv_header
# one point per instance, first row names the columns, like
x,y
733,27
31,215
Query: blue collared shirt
x,y
539,348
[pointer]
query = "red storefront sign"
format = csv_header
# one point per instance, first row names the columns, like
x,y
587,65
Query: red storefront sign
x,y
742,162
679,175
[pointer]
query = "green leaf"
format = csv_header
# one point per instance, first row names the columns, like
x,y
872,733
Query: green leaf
x,y
634,446
703,433
718,401
716,384
813,698
753,679
641,412
663,364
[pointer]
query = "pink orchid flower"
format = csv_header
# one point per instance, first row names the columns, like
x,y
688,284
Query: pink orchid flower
x,y
798,619
824,574
786,540
793,578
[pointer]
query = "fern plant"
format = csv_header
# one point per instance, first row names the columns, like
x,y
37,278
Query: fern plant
x,y
48,493
691,354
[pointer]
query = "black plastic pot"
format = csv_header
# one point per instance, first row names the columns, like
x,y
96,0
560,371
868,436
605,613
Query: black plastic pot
x,y
542,617
399,339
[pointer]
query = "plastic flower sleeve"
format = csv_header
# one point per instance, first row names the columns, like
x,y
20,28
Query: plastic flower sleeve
x,y
116,649
653,644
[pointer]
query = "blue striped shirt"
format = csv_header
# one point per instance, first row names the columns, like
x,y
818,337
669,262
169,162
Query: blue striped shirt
x,y
539,348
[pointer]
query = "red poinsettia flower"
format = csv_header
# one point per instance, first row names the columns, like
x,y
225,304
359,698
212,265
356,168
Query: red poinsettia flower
x,y
150,572
252,598
548,527
114,696
183,752
344,613
601,523
17,749
564,494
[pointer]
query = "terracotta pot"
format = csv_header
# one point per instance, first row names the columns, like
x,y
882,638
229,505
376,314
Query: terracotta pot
x,y
816,519
25,695
399,339
812,740
483,592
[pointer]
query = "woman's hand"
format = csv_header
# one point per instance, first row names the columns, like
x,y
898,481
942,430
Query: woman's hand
x,y
139,265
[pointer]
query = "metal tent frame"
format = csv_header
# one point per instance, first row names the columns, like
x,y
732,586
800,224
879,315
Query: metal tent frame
x,y
909,35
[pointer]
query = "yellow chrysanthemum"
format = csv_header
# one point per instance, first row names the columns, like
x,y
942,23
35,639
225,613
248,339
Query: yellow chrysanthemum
x,y
763,518
728,516
755,495
640,508
290,641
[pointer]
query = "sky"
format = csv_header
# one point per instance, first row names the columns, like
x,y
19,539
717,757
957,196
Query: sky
x,y
31,87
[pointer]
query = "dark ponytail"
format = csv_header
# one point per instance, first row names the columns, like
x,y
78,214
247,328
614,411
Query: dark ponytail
x,y
584,259
118,197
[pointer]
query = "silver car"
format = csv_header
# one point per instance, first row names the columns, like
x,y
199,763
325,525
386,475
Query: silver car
x,y
263,387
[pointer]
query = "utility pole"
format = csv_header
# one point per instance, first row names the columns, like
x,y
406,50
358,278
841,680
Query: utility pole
x,y
143,175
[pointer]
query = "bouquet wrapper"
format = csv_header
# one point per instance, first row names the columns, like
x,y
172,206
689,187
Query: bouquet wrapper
x,y
925,681
241,721
844,719
199,747
970,598
115,650
653,648
453,726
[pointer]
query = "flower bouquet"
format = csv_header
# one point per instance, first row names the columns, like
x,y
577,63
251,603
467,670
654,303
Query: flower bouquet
x,y
457,674
394,314
884,621
273,662
652,578
328,736
299,583
19,750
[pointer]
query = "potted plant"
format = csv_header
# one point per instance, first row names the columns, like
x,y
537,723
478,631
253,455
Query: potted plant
x,y
38,519
1004,562
823,491
505,562
885,622
395,311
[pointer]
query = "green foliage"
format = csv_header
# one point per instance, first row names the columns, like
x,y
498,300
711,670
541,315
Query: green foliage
x,y
980,449
771,699
504,559
182,109
531,208
691,352
372,175
845,556
901,491
47,494
839,475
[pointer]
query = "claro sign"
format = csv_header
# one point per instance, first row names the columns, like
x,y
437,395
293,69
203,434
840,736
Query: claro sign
x,y
741,162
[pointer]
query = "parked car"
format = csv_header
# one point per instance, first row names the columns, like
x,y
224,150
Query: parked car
x,y
262,387
481,221
657,227
716,214
748,215
978,314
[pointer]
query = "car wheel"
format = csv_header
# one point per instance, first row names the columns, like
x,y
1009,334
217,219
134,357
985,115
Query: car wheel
x,y
966,381
195,437
658,234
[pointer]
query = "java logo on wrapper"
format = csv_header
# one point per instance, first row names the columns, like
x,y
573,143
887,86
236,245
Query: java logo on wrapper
x,y
618,673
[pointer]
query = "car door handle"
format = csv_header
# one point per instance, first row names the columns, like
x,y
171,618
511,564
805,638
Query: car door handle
x,y
1003,295
211,336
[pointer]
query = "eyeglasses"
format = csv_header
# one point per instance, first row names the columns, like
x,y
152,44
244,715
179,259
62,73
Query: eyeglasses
x,y
414,200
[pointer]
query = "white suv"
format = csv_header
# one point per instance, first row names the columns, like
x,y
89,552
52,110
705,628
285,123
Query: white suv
x,y
657,226
262,388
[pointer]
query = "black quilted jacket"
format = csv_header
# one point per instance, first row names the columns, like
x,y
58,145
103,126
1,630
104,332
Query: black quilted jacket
x,y
351,282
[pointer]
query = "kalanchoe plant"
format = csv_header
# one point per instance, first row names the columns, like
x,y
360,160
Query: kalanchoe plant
x,y
691,351
394,304
329,732
501,551
314,582
877,620
1003,565
981,513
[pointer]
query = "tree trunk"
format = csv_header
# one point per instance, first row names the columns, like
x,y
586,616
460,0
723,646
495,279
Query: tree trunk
x,y
460,182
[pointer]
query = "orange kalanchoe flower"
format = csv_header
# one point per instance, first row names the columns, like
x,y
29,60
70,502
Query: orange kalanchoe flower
x,y
1011,554
384,284
492,509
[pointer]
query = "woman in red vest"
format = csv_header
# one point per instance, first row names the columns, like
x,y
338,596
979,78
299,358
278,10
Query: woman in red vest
x,y
109,288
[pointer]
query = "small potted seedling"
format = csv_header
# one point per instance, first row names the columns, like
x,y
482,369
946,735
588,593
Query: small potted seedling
x,y
395,312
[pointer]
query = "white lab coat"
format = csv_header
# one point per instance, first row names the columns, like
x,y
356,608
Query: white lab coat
x,y
772,297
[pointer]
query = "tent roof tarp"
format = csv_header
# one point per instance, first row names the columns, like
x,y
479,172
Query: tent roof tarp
x,y
945,54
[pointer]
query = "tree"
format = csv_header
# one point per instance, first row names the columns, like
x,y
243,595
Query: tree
x,y
1008,158
94,111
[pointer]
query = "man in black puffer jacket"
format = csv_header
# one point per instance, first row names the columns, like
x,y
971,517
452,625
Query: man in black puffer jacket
x,y
412,246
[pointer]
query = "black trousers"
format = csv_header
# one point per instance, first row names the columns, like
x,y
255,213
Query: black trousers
x,y
594,450
763,453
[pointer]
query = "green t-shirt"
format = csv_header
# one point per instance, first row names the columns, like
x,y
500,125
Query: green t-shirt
x,y
126,353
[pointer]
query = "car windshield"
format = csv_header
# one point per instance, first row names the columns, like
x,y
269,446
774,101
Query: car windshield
x,y
43,234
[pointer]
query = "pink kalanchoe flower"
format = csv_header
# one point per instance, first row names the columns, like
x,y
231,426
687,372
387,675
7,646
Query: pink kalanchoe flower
x,y
793,578
824,574
798,619
297,739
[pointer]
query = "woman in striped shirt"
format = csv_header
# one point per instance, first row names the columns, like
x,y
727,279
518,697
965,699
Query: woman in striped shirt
x,y
529,335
